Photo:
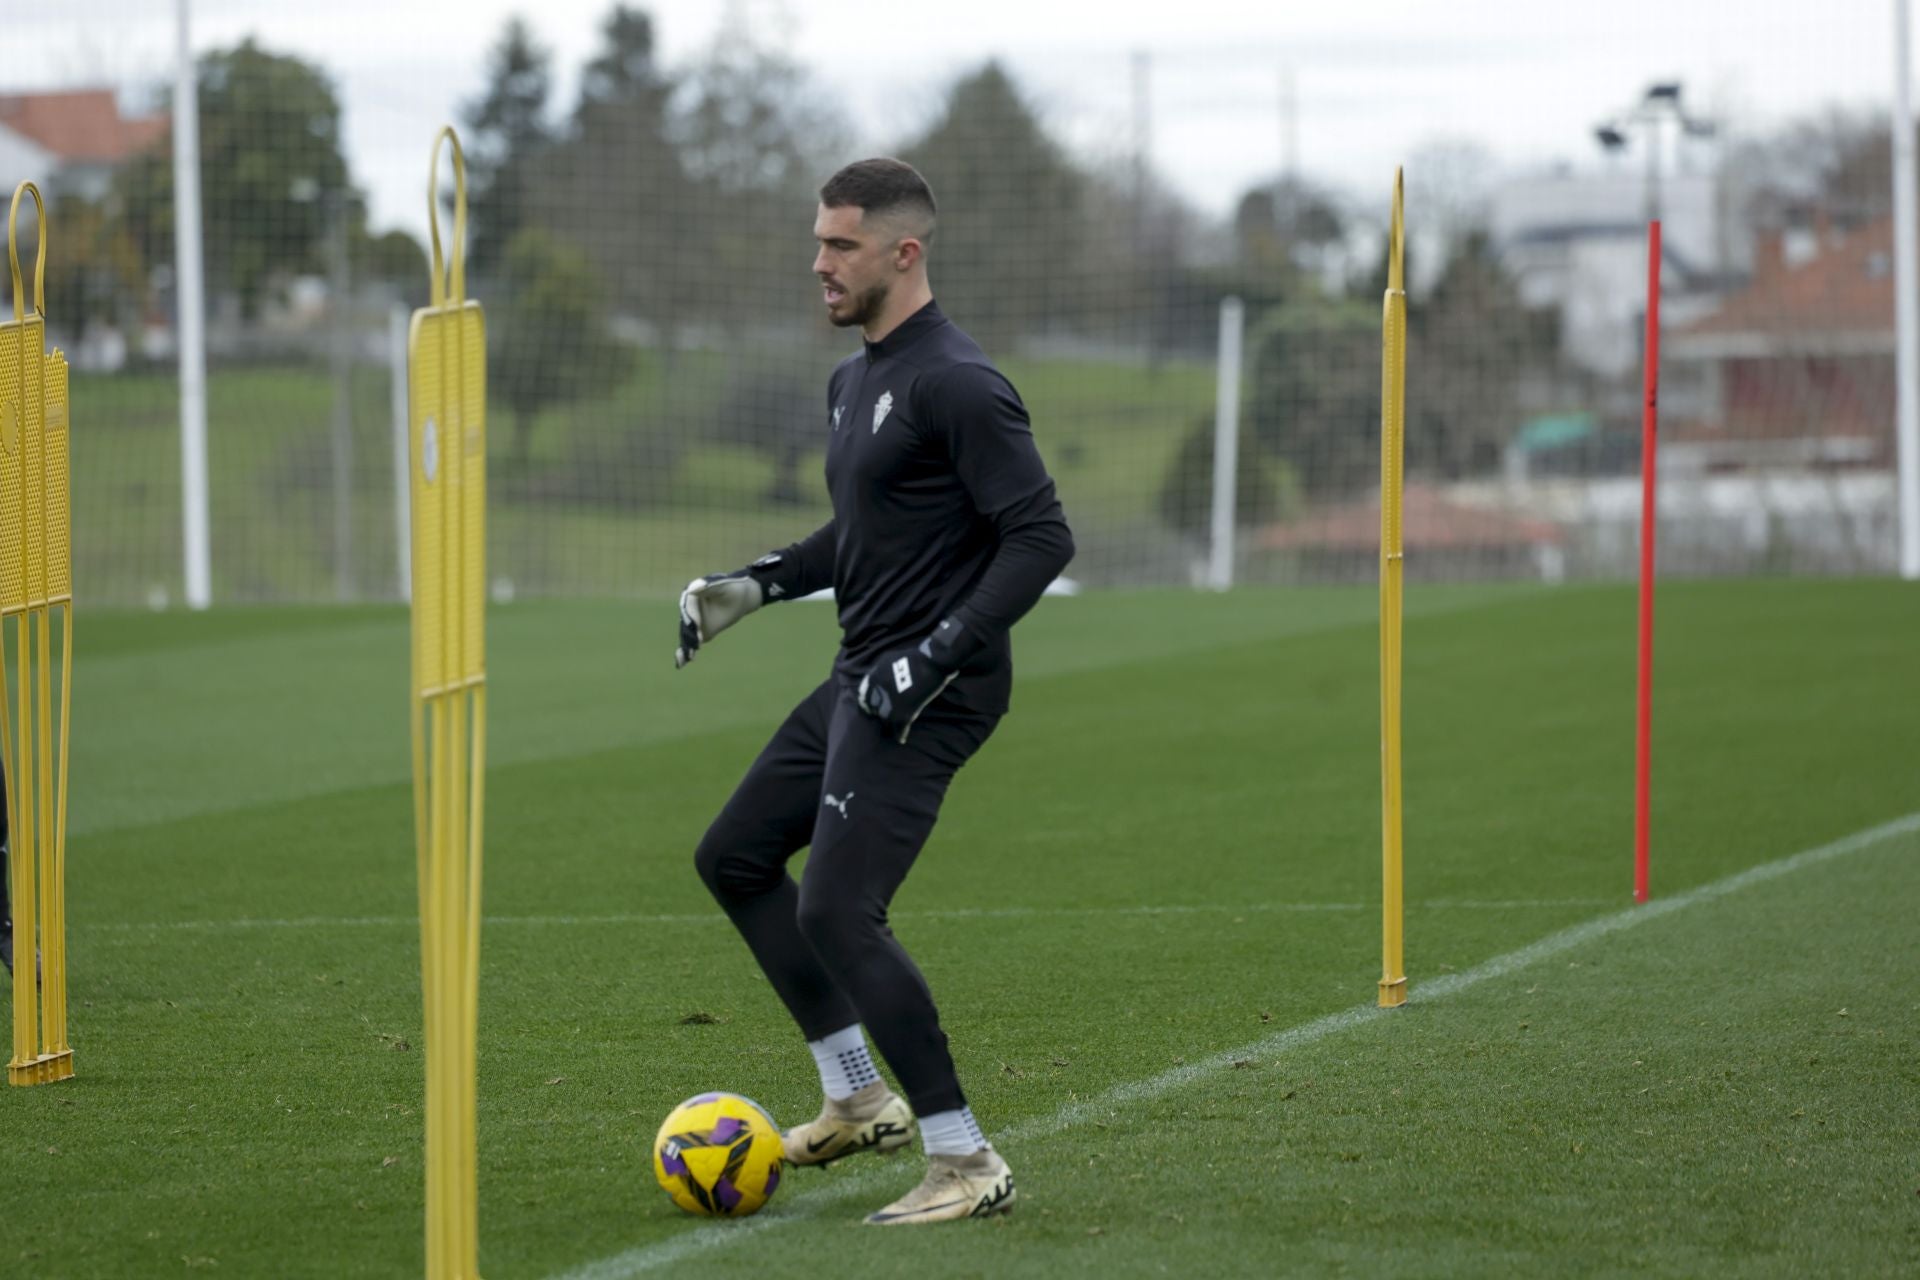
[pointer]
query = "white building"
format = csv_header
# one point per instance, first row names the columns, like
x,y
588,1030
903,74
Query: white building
x,y
22,159
69,142
1577,243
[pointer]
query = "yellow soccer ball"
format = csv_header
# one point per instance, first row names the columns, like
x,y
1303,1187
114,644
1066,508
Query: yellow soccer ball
x,y
718,1155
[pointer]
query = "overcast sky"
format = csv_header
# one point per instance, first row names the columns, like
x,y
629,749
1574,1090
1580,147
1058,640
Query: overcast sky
x,y
1374,81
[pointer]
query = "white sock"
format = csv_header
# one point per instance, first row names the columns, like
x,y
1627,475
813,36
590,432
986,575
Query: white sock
x,y
845,1065
951,1133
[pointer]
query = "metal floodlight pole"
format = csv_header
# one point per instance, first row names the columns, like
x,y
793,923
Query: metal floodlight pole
x,y
1906,309
1653,167
189,285
1661,102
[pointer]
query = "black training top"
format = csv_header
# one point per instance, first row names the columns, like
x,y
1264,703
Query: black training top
x,y
941,505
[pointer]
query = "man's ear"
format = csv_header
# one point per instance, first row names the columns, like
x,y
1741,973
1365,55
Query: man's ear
x,y
907,252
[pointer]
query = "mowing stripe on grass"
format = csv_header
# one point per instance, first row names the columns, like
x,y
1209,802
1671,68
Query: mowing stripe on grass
x,y
697,1239
954,913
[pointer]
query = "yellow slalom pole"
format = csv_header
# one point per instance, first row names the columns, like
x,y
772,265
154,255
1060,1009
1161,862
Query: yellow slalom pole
x,y
36,578
446,362
1393,410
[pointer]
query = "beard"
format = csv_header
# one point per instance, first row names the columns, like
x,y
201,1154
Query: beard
x,y
858,309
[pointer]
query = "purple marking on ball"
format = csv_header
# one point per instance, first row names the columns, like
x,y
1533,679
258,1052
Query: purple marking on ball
x,y
705,1097
673,1164
725,1130
727,1194
773,1179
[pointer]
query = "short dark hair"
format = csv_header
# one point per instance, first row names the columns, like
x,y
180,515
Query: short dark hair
x,y
882,187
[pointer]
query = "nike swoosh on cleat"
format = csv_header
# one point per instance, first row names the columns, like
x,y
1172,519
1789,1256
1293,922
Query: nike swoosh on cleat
x,y
895,1217
815,1148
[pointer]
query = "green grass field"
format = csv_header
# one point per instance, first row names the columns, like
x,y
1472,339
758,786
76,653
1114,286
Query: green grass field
x,y
1151,914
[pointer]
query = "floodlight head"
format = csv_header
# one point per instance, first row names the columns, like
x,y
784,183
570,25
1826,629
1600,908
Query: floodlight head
x,y
1665,91
1610,136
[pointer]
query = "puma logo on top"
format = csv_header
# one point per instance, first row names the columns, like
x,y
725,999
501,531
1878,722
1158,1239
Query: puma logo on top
x,y
841,805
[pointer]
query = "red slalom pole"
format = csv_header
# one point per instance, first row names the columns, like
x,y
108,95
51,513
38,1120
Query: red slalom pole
x,y
1649,432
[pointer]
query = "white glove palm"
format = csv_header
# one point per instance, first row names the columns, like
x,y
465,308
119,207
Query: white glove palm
x,y
710,605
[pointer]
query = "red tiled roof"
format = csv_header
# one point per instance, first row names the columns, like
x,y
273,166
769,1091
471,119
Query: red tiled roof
x,y
1428,522
1848,287
83,125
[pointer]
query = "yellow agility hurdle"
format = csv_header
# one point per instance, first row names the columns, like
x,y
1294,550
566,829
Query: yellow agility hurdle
x,y
1393,442
447,389
36,584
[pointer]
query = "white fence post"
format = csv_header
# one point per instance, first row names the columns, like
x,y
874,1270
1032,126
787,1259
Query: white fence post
x,y
398,322
1906,307
1226,444
190,295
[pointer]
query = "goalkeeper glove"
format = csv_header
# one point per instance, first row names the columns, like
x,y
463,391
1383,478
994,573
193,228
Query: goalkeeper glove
x,y
711,604
904,683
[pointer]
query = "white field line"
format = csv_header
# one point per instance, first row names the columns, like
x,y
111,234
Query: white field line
x,y
955,913
869,1180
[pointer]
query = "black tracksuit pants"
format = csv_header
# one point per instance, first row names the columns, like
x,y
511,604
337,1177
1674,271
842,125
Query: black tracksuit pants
x,y
831,779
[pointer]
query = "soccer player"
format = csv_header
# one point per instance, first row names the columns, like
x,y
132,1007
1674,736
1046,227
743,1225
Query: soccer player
x,y
945,531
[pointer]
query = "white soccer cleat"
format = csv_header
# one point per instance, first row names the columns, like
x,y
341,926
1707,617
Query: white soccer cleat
x,y
874,1119
975,1186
